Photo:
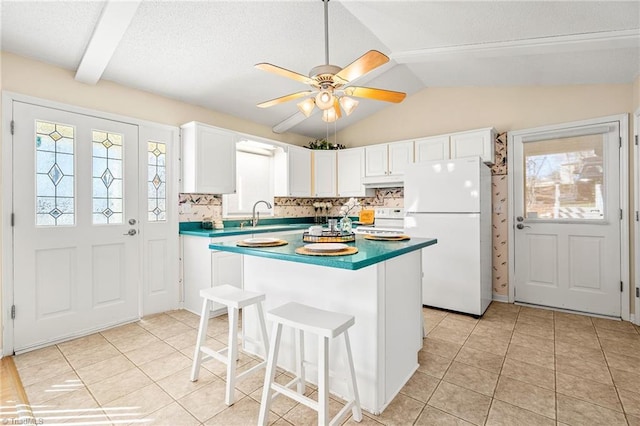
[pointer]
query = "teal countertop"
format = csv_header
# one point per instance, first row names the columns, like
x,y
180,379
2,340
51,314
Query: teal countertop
x,y
232,227
369,252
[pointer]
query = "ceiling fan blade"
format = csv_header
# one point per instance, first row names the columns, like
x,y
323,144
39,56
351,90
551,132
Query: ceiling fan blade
x,y
284,72
377,94
283,99
336,107
365,63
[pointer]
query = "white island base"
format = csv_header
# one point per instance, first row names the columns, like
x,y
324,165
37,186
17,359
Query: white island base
x,y
385,299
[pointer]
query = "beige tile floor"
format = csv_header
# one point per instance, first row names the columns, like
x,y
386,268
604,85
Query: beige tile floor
x,y
515,366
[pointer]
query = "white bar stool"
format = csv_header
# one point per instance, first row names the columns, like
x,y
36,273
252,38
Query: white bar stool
x,y
325,325
234,299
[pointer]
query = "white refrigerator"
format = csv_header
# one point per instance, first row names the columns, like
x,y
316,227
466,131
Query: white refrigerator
x,y
451,200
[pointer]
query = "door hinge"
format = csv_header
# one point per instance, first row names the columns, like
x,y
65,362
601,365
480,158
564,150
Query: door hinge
x,y
620,214
636,138
620,286
620,141
637,291
13,311
636,215
13,219
13,126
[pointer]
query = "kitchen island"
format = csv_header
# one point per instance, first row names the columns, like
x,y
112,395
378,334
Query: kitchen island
x,y
380,286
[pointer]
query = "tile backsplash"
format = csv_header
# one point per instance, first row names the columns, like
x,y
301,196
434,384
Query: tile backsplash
x,y
196,207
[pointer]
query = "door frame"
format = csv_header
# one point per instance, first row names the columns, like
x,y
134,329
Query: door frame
x,y
636,201
623,119
6,198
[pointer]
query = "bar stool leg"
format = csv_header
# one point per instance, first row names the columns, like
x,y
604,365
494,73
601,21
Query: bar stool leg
x,y
232,355
301,385
353,386
263,329
270,374
323,381
202,336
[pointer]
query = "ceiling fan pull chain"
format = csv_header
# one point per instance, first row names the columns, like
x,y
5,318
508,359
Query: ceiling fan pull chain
x,y
326,31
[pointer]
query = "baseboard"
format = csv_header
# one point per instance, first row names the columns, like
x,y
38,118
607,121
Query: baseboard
x,y
500,298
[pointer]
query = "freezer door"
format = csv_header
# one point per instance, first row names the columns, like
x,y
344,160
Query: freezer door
x,y
443,186
452,269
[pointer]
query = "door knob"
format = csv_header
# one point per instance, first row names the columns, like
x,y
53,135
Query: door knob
x,y
131,232
132,222
521,226
519,218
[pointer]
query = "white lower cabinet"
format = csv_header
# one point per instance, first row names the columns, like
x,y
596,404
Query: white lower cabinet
x,y
204,268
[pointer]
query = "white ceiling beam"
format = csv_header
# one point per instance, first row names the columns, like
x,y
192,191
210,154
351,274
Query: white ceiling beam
x,y
114,21
606,40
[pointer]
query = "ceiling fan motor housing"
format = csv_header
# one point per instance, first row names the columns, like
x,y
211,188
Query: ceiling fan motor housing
x,y
324,75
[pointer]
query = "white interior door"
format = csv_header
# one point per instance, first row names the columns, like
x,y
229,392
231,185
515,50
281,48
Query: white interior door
x,y
76,248
567,214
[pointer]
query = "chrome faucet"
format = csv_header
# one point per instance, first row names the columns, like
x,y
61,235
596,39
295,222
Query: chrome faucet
x,y
255,217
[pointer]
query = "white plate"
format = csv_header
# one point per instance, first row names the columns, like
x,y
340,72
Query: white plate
x,y
326,247
385,234
264,240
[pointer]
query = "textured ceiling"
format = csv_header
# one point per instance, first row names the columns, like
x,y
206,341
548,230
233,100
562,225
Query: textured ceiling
x,y
203,52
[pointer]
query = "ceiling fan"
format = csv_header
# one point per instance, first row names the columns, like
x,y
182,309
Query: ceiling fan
x,y
329,83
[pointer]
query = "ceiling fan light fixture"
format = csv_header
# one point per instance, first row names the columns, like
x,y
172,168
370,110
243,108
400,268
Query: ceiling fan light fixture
x,y
348,104
324,99
306,106
329,115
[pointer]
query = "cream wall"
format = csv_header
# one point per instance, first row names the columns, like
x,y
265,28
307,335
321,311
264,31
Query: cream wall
x,y
34,78
636,93
435,111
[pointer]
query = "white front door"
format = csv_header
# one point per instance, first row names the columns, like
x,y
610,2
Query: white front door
x,y
567,216
76,243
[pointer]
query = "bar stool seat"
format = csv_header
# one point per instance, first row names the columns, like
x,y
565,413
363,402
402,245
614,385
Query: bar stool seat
x,y
326,325
234,299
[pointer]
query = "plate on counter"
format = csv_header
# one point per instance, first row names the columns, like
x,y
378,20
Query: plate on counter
x,y
326,247
263,240
386,234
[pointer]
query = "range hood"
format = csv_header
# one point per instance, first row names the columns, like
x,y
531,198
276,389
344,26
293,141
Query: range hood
x,y
382,181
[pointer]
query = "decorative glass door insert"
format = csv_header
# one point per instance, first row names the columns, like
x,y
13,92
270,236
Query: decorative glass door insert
x,y
55,201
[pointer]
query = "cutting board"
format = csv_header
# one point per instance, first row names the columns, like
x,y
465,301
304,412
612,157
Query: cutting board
x,y
366,217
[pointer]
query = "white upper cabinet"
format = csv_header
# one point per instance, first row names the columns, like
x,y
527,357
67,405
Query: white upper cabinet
x,y
208,159
474,143
431,149
324,173
376,160
351,172
293,172
388,159
400,155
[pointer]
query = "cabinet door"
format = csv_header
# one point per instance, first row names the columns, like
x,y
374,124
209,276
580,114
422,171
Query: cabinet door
x,y
351,172
432,149
196,270
376,160
299,179
209,159
400,154
471,144
324,173
226,268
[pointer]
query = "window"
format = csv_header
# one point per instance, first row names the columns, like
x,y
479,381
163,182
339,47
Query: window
x,y
564,178
55,201
254,180
107,178
156,181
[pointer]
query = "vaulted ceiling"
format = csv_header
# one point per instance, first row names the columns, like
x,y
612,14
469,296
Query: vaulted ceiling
x,y
204,52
